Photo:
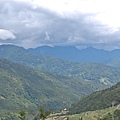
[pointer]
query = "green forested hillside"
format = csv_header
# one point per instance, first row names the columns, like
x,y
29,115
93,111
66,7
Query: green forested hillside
x,y
18,54
99,73
23,87
39,87
98,100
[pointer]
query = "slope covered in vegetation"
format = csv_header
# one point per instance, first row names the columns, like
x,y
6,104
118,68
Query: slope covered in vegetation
x,y
105,75
111,113
23,87
98,100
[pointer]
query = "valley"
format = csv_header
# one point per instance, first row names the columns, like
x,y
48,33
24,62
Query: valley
x,y
28,80
59,60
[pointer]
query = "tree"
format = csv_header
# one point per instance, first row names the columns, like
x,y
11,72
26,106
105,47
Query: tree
x,y
22,115
43,113
117,114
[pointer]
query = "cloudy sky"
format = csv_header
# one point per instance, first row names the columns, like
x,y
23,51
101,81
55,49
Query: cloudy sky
x,y
81,23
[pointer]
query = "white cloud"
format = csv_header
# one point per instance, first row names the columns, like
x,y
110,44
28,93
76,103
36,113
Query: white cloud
x,y
60,22
47,36
107,11
6,34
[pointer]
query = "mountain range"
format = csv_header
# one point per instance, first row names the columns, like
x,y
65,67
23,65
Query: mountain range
x,y
71,53
83,71
29,77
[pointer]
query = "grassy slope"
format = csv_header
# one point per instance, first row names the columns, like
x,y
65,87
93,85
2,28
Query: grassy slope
x,y
95,115
103,114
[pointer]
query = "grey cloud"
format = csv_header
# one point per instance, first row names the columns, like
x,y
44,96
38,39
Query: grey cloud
x,y
37,26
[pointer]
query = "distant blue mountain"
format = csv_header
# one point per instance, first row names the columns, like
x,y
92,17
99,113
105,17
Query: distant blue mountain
x,y
67,52
71,53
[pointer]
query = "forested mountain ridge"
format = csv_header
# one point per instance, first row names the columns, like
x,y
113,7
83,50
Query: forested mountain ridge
x,y
111,113
24,88
17,54
98,100
99,73
84,71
